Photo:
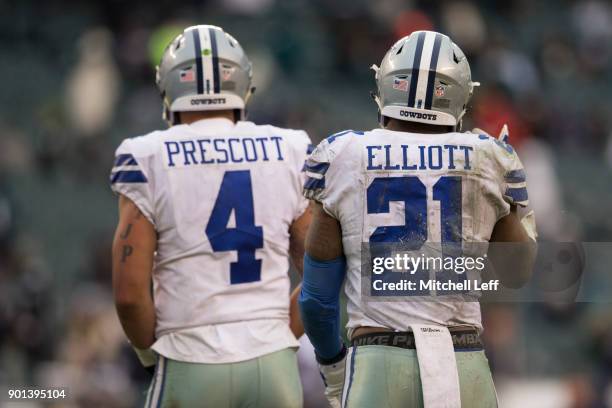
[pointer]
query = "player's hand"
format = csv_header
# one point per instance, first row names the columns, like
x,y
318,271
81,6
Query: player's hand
x,y
148,358
333,375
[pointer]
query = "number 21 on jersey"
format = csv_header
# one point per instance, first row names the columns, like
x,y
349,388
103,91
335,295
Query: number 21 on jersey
x,y
413,193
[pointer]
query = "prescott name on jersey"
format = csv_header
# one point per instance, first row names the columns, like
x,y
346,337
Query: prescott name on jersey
x,y
223,150
220,277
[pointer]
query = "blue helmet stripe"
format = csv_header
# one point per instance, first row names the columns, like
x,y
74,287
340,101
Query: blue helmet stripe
x,y
215,61
416,64
198,59
433,66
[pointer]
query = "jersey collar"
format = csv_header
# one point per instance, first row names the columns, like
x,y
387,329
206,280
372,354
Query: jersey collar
x,y
222,123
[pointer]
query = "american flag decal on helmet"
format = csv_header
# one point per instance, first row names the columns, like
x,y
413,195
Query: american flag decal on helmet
x,y
187,75
400,84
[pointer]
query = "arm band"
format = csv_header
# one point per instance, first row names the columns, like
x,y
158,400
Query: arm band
x,y
319,304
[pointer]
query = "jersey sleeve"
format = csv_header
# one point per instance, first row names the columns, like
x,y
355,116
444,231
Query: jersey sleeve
x,y
314,171
510,175
326,176
515,181
131,178
303,147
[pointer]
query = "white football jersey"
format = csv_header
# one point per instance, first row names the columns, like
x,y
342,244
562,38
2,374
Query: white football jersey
x,y
222,197
387,186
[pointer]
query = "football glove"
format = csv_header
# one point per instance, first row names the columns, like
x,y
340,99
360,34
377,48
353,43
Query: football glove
x,y
333,377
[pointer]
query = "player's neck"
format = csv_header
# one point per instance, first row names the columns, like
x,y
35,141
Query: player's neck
x,y
416,127
190,117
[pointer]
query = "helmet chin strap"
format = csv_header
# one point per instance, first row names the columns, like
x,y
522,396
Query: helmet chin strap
x,y
381,118
242,114
459,125
167,116
250,93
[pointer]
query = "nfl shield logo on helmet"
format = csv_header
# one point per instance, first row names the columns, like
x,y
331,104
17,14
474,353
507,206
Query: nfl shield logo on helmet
x,y
439,90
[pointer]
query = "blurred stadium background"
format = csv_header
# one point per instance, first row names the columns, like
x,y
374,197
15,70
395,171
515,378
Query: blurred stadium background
x,y
77,77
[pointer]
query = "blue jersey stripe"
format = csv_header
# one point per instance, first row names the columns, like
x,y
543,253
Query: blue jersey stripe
x,y
126,159
128,176
333,137
515,176
314,184
319,168
517,194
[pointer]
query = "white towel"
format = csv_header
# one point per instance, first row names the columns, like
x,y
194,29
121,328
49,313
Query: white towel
x,y
438,367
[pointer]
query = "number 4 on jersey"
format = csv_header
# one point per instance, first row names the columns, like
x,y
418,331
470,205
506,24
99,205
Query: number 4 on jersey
x,y
236,193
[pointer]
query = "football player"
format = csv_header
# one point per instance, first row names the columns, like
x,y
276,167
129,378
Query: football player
x,y
418,180
210,213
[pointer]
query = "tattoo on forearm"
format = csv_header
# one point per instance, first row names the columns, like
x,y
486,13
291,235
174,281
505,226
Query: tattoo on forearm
x,y
127,251
127,231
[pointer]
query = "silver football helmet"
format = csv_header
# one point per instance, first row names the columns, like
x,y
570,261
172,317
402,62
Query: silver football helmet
x,y
426,78
204,68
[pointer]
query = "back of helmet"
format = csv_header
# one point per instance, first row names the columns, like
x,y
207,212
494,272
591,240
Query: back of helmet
x,y
204,68
425,78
